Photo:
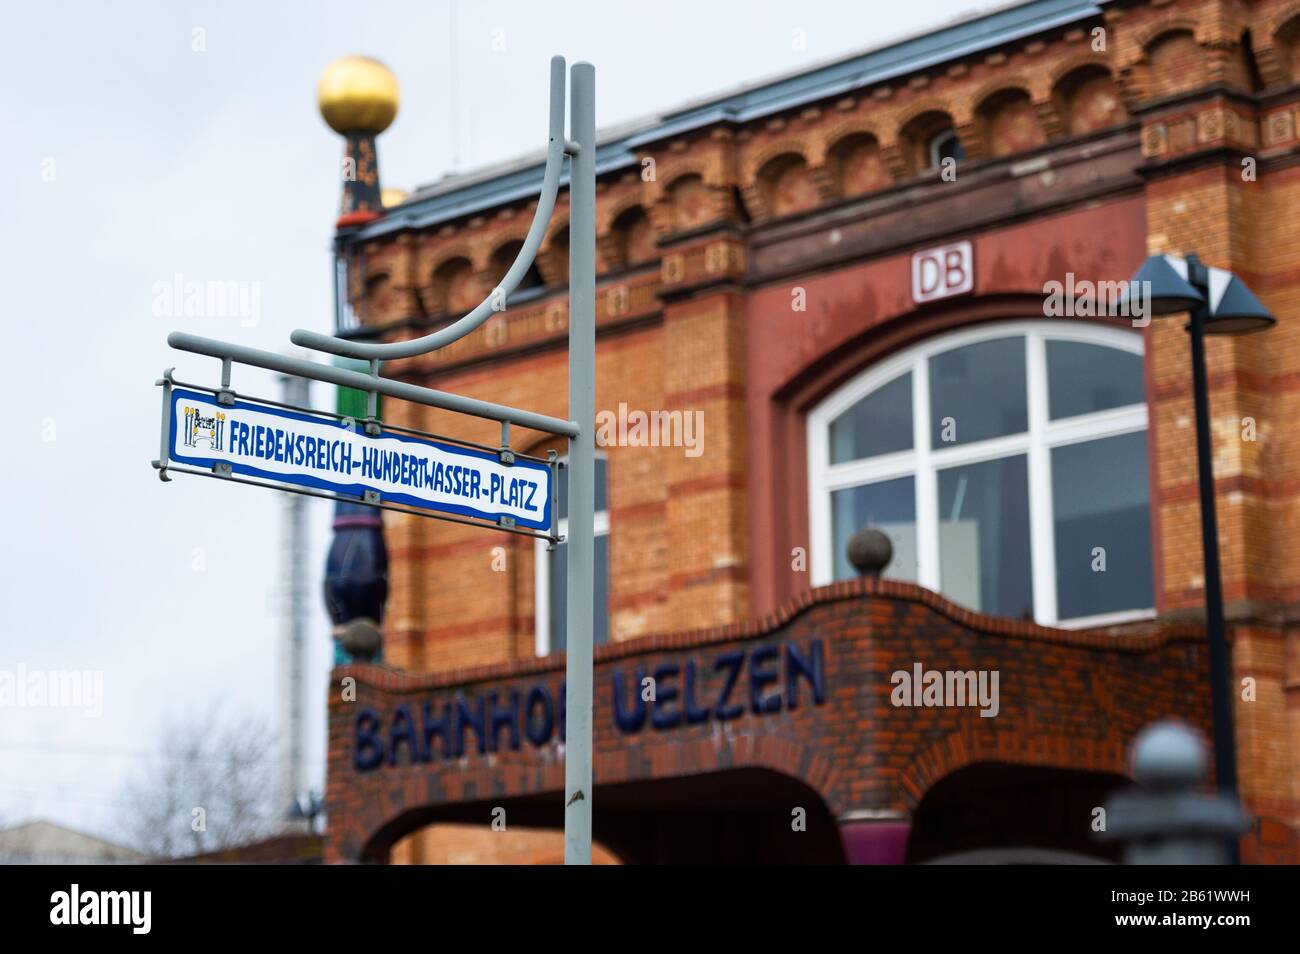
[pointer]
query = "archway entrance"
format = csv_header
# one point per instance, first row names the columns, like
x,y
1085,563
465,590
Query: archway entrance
x,y
735,816
1018,809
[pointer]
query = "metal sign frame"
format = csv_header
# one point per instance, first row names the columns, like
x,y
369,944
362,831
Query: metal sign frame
x,y
167,466
580,148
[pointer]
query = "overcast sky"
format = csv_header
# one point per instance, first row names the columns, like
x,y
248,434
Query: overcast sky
x,y
130,157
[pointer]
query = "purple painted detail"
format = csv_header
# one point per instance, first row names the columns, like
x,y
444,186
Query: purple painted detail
x,y
874,842
358,520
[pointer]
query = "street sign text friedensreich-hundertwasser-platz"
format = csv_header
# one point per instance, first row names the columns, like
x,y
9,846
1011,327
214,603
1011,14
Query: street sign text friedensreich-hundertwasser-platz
x,y
338,457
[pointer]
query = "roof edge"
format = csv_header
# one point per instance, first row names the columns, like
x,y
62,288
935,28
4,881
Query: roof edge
x,y
514,180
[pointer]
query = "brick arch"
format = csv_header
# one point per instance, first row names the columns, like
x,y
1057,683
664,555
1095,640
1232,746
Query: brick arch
x,y
756,169
666,208
461,252
552,259
608,212
760,159
961,749
910,143
1051,102
1267,44
840,747
504,238
819,375
441,255
1137,78
781,158
1145,37
553,231
395,810
1280,44
1280,18
833,175
929,104
1067,85
690,166
1001,84
764,194
1075,61
989,111
614,240
837,134
515,235
1162,77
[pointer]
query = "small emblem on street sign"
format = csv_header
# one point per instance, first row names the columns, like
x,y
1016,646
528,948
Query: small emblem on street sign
x,y
943,272
288,447
203,428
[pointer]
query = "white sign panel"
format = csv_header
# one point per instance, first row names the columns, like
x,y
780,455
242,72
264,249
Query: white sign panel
x,y
275,444
943,272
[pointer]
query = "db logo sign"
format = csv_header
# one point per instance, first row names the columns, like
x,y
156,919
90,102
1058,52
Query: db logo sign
x,y
943,272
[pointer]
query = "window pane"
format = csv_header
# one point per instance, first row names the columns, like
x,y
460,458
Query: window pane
x,y
978,392
946,145
1082,378
889,506
559,604
984,537
1100,495
602,497
881,423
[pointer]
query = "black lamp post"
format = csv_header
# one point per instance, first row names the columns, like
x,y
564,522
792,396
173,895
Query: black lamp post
x,y
1220,303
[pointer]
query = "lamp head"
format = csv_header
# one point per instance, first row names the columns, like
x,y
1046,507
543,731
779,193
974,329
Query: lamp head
x,y
1234,309
1161,287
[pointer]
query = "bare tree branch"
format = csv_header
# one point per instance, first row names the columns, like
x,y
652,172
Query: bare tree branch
x,y
210,787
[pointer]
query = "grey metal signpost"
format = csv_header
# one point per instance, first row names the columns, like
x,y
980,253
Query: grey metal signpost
x,y
580,146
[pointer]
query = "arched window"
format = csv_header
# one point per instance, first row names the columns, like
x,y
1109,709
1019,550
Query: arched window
x,y
927,140
633,239
1087,100
789,185
504,257
857,165
946,145
455,290
1009,123
550,598
1007,463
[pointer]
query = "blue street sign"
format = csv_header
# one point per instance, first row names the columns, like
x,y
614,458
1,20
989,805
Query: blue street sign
x,y
288,447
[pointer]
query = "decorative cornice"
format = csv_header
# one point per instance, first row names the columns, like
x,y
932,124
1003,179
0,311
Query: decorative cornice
x,y
1142,638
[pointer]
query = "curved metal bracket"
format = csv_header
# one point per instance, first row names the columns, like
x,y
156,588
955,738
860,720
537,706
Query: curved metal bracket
x,y
556,149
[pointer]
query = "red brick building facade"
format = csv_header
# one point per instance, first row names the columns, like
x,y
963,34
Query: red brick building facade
x,y
758,271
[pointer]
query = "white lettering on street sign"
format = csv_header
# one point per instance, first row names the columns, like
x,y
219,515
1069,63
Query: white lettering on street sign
x,y
275,444
943,272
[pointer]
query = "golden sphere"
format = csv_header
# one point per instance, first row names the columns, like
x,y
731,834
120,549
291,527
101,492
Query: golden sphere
x,y
358,94
391,197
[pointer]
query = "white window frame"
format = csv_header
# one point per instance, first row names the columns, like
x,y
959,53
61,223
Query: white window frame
x,y
937,144
542,571
923,462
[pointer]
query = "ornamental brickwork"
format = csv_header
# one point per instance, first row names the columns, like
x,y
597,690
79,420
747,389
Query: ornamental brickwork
x,y
1159,125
